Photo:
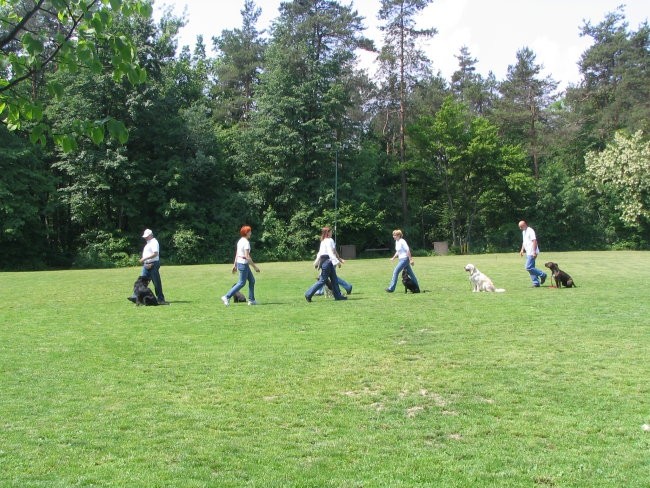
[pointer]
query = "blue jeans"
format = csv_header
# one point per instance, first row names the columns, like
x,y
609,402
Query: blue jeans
x,y
328,270
154,275
245,274
402,264
535,273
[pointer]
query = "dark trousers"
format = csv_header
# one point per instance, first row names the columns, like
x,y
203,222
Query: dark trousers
x,y
154,275
328,270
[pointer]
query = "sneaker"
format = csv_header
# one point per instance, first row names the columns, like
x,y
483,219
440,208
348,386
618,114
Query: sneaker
x,y
225,300
252,302
131,299
163,302
308,298
542,279
341,298
535,285
349,291
389,290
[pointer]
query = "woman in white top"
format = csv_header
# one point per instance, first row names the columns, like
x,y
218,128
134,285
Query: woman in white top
x,y
328,259
243,263
328,248
403,252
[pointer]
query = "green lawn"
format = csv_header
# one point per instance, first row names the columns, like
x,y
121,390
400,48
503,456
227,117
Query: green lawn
x,y
449,388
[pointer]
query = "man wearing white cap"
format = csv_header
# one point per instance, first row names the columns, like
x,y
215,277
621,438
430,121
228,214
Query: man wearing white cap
x,y
151,264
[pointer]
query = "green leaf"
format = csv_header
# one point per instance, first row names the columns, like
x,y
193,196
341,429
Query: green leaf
x,y
97,134
68,143
118,131
32,45
55,90
146,10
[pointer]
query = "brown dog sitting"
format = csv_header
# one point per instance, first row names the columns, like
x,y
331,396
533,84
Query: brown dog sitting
x,y
561,278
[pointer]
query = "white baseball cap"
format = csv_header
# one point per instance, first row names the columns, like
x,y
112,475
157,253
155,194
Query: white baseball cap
x,y
147,233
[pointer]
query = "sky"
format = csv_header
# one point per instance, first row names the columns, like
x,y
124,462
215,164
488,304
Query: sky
x,y
493,30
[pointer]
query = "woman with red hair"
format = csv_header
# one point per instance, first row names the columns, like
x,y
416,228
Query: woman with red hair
x,y
243,263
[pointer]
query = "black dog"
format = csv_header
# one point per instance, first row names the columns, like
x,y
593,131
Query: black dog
x,y
238,297
408,283
561,278
142,295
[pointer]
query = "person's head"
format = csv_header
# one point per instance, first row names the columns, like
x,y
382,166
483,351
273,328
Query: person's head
x,y
522,225
397,234
148,234
325,233
245,231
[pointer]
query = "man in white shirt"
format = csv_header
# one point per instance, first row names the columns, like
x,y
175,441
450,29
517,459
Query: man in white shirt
x,y
151,264
530,247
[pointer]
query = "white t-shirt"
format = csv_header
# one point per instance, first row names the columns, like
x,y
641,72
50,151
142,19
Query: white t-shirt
x,y
402,248
243,245
528,237
328,248
151,247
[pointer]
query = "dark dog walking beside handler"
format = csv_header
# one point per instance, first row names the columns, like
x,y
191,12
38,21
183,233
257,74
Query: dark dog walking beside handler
x,y
403,253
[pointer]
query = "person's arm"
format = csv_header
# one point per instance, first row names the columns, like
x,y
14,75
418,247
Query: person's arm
x,y
250,261
153,255
394,256
143,259
341,260
534,243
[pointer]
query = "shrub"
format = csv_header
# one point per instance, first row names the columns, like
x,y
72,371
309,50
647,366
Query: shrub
x,y
100,249
187,245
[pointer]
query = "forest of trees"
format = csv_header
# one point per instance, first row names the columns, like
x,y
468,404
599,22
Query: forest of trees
x,y
109,128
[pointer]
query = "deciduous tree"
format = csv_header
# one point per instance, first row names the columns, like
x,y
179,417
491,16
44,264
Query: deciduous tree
x,y
37,37
622,172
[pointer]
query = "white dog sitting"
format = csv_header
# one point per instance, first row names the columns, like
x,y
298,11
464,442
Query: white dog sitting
x,y
479,281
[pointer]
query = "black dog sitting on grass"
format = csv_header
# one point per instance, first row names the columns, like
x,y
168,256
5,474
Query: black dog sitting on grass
x,y
561,278
142,295
408,283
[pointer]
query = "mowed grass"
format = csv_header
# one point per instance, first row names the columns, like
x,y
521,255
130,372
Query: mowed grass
x,y
449,388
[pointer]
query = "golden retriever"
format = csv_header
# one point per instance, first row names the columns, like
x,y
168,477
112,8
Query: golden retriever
x,y
479,281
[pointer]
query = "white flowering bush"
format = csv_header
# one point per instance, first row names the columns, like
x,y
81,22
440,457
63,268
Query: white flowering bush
x,y
622,170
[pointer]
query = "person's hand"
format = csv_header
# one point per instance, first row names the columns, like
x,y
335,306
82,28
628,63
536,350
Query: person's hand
x,y
257,270
412,262
234,269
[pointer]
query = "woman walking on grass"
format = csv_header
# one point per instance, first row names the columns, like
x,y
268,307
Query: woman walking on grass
x,y
328,259
403,253
243,263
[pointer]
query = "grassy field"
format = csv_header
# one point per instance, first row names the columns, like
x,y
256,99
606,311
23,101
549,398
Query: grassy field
x,y
527,388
